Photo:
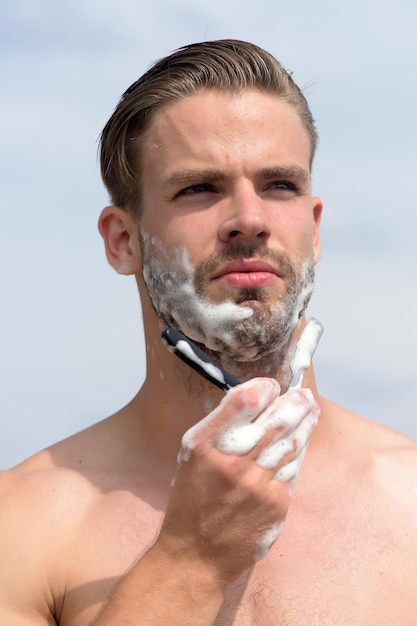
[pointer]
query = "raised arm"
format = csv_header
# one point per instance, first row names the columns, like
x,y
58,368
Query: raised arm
x,y
227,506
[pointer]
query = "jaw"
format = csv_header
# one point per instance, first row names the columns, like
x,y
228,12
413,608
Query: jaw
x,y
249,331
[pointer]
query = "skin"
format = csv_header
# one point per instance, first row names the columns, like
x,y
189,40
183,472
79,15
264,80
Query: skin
x,y
91,530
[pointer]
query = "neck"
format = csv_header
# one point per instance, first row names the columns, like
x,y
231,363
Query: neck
x,y
174,397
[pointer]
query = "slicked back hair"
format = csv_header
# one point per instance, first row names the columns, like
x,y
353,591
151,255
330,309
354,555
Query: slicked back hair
x,y
226,65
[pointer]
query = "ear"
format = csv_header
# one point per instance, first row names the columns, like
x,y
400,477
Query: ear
x,y
120,234
317,211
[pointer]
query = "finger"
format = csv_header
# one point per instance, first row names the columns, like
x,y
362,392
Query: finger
x,y
284,449
288,411
282,415
289,473
278,421
225,426
274,454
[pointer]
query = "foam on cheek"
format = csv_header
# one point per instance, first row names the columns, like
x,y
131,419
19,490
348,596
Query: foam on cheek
x,y
216,320
237,333
170,283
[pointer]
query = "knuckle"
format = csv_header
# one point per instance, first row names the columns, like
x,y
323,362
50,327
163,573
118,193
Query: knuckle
x,y
255,489
191,451
302,397
255,393
277,499
228,468
295,405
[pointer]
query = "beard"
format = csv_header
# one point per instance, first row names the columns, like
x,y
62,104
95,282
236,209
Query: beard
x,y
247,324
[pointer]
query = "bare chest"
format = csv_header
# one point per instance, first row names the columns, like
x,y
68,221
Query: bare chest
x,y
280,592
362,591
334,565
328,574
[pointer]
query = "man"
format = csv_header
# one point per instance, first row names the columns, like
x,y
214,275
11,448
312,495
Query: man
x,y
207,159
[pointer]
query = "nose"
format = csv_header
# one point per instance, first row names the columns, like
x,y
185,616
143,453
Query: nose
x,y
247,219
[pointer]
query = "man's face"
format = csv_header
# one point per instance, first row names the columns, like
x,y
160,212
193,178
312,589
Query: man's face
x,y
229,230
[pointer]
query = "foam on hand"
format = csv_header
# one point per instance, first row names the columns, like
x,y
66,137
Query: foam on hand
x,y
292,417
240,333
267,541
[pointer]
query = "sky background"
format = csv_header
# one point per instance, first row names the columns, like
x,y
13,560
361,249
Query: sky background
x,y
71,346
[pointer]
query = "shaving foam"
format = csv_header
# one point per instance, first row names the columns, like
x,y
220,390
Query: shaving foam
x,y
238,333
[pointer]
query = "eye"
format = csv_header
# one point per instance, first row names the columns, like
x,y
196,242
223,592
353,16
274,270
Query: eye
x,y
195,189
285,185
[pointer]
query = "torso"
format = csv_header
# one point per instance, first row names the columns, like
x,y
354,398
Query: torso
x,y
347,555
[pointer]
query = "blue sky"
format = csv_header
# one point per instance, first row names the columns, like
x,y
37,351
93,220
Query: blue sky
x,y
71,341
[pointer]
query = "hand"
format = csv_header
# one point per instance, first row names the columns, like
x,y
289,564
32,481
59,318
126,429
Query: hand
x,y
236,470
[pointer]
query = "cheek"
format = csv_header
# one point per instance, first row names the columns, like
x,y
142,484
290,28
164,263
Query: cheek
x,y
196,236
308,234
297,239
292,223
174,231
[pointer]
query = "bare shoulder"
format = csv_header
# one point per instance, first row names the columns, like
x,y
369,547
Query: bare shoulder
x,y
48,483
367,435
395,457
35,527
57,511
386,460
44,502
394,497
375,485
39,494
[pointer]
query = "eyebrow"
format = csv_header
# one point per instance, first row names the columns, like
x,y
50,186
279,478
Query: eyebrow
x,y
293,172
189,176
279,172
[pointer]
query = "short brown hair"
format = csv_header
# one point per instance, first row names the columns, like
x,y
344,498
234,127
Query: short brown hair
x,y
224,65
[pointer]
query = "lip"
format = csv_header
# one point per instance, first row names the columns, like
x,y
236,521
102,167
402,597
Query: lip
x,y
247,273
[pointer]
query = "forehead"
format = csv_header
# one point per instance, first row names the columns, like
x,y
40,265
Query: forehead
x,y
229,130
249,105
